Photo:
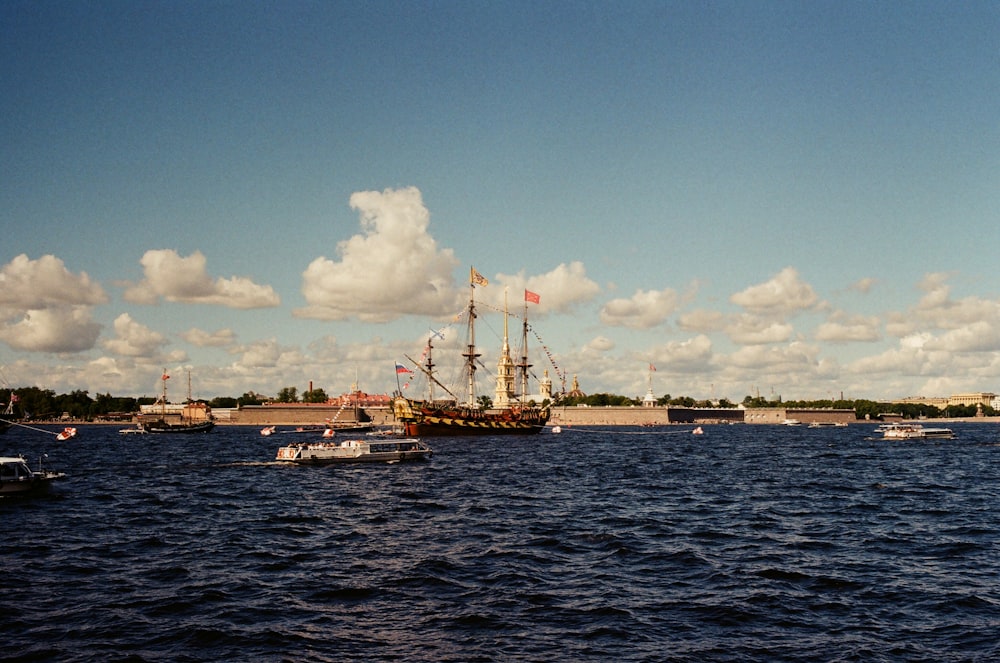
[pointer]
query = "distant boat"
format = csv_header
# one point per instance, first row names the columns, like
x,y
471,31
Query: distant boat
x,y
510,414
373,450
914,432
187,424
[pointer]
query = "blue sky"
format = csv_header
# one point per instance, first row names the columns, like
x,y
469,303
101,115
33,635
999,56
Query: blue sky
x,y
791,198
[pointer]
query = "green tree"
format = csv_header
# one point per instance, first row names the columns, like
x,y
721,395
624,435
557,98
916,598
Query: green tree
x,y
288,395
222,402
315,396
250,398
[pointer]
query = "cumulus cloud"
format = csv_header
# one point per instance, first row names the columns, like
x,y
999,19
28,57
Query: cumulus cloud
x,y
784,294
204,339
645,309
844,328
185,280
559,289
27,284
979,336
936,310
703,320
689,355
864,285
66,329
752,330
392,268
776,359
133,339
599,344
46,308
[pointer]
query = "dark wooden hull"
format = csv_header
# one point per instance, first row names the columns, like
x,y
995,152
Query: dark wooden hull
x,y
163,427
421,421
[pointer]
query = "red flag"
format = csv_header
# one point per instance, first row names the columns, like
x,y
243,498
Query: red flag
x,y
165,377
652,368
531,297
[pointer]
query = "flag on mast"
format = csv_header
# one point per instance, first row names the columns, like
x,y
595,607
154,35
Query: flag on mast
x,y
476,278
531,297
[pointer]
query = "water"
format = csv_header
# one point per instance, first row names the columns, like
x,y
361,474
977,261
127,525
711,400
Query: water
x,y
750,543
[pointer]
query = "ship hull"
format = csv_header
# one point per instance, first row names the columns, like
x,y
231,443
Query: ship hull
x,y
418,421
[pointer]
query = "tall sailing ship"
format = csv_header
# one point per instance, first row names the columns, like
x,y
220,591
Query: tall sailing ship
x,y
511,412
188,422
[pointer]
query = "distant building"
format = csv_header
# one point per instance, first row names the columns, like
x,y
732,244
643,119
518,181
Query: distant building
x,y
981,398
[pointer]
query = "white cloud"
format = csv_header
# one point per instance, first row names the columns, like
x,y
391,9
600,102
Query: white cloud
x,y
937,310
774,360
45,283
703,320
863,285
645,309
393,268
203,339
784,294
844,328
690,355
133,339
559,290
980,336
67,329
185,280
599,344
751,330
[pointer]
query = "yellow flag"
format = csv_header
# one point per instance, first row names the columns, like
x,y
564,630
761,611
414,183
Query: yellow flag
x,y
476,278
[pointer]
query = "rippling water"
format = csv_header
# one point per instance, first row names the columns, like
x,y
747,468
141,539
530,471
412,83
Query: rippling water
x,y
748,543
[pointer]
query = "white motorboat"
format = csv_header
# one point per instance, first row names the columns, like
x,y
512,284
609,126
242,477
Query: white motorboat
x,y
914,432
374,450
16,478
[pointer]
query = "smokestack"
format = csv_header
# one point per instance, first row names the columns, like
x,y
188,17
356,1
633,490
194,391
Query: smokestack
x,y
310,385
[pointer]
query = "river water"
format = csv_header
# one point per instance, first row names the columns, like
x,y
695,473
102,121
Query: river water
x,y
748,543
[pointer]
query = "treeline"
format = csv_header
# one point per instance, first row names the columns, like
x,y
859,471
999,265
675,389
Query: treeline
x,y
44,404
32,403
864,409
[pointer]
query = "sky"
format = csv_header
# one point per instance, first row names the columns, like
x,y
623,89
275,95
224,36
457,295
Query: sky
x,y
711,199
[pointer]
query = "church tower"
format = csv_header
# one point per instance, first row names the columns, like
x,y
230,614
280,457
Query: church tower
x,y
504,393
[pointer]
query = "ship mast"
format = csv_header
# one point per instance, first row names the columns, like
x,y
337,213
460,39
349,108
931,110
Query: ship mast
x,y
470,354
429,367
524,365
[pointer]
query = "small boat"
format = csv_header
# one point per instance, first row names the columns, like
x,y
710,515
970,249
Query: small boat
x,y
139,429
67,433
914,432
354,451
16,478
267,431
698,431
791,422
